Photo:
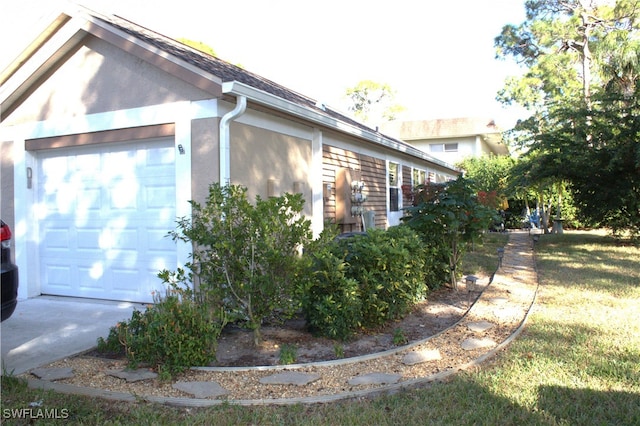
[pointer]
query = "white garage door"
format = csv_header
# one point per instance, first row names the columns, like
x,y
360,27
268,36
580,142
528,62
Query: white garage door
x,y
104,212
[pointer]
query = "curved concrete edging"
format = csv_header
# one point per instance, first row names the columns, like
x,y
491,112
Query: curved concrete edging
x,y
342,361
379,390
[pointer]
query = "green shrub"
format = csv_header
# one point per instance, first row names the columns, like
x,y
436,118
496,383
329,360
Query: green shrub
x,y
449,216
390,269
331,302
436,258
338,350
171,335
363,281
399,338
246,256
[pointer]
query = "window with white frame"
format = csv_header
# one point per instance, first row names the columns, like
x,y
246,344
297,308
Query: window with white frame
x,y
444,147
394,193
419,177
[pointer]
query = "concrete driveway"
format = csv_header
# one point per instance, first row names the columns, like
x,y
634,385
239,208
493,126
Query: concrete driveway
x,y
45,329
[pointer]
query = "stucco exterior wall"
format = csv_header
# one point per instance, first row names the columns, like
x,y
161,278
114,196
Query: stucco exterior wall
x,y
6,183
205,157
259,156
466,147
100,77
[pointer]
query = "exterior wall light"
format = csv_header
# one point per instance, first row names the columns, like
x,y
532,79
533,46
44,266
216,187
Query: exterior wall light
x,y
500,256
471,282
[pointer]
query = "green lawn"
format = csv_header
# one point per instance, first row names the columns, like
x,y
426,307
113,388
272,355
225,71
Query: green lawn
x,y
576,363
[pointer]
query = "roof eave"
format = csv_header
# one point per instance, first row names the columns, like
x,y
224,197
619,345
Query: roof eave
x,y
57,22
64,34
267,99
38,59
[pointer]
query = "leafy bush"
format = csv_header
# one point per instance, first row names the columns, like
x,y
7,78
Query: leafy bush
x,y
364,281
331,302
389,267
448,216
173,334
246,257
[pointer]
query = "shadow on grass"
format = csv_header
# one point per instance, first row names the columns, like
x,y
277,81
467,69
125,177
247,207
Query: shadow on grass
x,y
590,407
461,401
587,350
593,258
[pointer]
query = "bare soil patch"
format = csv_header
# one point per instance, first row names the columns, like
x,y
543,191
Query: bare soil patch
x,y
443,308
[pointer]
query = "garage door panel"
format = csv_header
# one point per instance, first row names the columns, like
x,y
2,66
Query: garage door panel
x,y
105,225
127,281
57,239
91,276
158,195
59,276
158,241
123,195
88,239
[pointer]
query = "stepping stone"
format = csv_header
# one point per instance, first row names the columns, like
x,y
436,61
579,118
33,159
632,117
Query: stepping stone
x,y
132,375
201,389
472,343
480,326
290,378
418,357
375,379
53,373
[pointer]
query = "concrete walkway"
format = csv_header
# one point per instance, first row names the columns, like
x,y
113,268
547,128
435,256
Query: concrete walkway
x,y
45,329
494,320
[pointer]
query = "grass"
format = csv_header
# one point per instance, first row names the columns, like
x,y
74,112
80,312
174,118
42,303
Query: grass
x,y
288,354
576,363
482,257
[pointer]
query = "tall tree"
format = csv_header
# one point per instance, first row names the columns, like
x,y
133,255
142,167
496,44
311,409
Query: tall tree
x,y
580,83
567,47
373,102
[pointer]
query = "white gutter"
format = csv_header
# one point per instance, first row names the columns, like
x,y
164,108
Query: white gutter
x,y
264,98
225,122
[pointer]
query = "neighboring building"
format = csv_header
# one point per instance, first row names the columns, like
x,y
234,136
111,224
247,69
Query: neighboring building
x,y
108,130
451,139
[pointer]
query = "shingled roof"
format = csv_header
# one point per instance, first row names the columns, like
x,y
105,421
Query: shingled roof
x,y
226,71
219,70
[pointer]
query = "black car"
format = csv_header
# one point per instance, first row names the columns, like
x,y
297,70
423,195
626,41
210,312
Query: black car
x,y
9,274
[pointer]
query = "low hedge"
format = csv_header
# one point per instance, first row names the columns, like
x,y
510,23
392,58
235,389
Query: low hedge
x,y
365,281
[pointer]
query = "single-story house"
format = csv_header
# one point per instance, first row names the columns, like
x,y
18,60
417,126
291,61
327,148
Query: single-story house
x,y
451,139
109,129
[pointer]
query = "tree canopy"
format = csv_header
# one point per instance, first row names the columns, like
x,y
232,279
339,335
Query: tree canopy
x,y
373,102
198,45
581,61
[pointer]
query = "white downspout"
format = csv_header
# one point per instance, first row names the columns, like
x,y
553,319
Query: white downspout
x,y
225,150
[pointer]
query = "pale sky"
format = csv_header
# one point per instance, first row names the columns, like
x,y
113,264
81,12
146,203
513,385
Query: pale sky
x,y
437,55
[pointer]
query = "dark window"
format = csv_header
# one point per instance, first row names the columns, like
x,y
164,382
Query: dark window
x,y
393,200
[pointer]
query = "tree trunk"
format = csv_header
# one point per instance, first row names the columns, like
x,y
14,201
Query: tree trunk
x,y
453,262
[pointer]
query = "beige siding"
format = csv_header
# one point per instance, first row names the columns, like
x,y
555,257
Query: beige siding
x,y
374,173
369,169
406,181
